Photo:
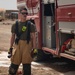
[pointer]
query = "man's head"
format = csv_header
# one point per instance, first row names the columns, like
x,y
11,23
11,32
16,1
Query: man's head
x,y
23,13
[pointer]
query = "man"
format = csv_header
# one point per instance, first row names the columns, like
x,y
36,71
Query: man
x,y
22,49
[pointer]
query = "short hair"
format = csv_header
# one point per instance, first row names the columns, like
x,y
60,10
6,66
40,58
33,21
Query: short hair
x,y
23,9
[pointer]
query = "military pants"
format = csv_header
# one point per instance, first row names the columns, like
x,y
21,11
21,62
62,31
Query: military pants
x,y
22,54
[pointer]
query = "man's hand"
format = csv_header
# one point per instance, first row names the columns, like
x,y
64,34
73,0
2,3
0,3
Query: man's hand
x,y
34,52
10,52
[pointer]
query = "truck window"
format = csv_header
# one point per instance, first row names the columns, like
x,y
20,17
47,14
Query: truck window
x,y
49,9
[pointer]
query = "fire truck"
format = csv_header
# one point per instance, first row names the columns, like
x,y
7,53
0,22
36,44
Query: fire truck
x,y
55,24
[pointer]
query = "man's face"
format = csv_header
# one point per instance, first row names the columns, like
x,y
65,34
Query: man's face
x,y
23,14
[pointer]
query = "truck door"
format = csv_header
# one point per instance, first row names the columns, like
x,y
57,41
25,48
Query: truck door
x,y
48,26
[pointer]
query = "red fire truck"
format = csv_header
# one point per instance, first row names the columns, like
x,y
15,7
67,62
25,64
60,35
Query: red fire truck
x,y
55,24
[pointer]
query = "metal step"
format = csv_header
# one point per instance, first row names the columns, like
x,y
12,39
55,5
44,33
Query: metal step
x,y
69,56
69,52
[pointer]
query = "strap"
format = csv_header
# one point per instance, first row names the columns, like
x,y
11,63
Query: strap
x,y
16,29
18,34
28,31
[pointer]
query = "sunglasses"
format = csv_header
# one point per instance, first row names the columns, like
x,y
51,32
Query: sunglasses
x,y
24,13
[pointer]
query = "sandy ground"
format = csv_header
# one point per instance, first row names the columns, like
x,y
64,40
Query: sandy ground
x,y
53,67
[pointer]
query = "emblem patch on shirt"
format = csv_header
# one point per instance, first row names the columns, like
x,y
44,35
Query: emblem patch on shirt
x,y
24,28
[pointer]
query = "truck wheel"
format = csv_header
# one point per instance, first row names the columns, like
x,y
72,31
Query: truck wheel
x,y
41,56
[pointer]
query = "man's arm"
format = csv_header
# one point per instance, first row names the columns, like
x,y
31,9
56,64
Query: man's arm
x,y
12,39
33,36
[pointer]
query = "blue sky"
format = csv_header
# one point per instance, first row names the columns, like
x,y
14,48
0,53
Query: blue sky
x,y
8,4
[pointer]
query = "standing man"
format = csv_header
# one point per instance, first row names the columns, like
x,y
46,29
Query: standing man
x,y
24,33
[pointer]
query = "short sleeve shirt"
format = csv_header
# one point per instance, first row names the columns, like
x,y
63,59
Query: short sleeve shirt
x,y
20,26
